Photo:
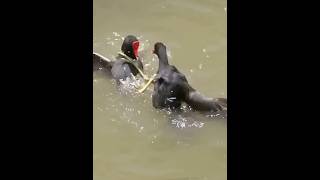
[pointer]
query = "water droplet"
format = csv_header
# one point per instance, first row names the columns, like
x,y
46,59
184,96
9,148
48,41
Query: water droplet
x,y
141,128
116,34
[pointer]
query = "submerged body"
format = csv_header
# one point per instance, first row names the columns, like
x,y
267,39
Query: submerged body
x,y
171,88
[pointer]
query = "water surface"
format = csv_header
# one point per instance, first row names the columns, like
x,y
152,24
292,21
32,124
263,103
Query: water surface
x,y
131,139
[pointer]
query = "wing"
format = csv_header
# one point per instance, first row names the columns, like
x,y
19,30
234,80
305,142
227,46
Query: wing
x,y
100,62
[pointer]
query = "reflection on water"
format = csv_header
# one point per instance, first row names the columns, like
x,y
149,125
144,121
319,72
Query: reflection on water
x,y
132,140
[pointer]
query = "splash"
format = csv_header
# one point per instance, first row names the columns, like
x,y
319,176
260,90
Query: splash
x,y
131,84
183,122
183,118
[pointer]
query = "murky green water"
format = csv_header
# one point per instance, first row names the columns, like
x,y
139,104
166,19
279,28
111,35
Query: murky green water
x,y
132,140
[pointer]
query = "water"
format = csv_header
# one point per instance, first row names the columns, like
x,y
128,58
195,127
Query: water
x,y
132,140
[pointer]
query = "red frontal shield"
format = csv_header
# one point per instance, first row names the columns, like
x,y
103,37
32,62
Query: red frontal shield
x,y
135,46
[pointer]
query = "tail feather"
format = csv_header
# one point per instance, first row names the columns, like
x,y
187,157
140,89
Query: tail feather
x,y
222,102
201,103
